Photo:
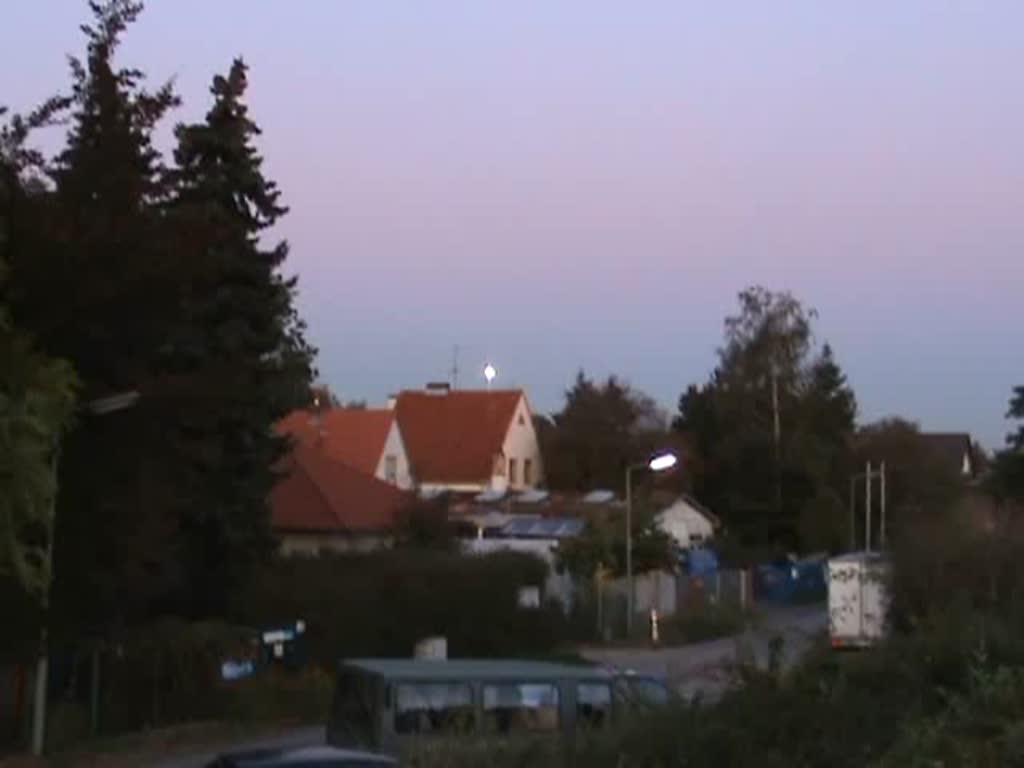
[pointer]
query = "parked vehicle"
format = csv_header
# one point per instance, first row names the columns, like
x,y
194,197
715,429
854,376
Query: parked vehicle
x,y
394,704
304,757
858,599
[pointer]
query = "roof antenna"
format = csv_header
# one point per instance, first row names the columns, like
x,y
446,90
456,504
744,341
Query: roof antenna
x,y
455,367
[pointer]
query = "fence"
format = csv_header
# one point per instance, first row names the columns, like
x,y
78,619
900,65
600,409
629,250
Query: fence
x,y
670,595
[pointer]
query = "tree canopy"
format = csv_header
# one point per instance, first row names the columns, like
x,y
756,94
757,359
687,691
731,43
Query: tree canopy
x,y
769,434
154,275
1008,471
603,428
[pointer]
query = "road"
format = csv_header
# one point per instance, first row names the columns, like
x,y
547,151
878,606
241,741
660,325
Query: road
x,y
299,737
700,667
688,668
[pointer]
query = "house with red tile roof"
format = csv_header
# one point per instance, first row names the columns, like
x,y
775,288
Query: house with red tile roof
x,y
320,504
366,439
467,440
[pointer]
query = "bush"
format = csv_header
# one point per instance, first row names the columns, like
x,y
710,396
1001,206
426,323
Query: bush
x,y
381,604
275,695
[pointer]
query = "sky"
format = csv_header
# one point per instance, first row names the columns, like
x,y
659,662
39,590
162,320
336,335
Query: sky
x,y
588,184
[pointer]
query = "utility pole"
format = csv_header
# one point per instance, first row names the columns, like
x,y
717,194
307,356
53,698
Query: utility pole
x,y
853,514
777,434
455,367
881,502
630,592
867,512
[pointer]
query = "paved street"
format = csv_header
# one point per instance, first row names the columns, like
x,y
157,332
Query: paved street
x,y
299,737
698,667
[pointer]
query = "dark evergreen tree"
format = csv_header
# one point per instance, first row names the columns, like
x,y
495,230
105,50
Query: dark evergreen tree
x,y
602,428
240,335
1007,480
769,435
90,282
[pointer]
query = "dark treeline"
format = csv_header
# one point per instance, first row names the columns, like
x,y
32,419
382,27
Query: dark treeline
x,y
129,271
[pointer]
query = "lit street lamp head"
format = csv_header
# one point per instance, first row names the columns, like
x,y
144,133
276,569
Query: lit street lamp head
x,y
662,461
490,372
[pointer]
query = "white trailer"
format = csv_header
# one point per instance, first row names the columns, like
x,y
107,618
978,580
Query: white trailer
x,y
858,599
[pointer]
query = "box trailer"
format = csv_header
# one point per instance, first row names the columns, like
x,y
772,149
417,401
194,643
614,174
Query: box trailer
x,y
858,599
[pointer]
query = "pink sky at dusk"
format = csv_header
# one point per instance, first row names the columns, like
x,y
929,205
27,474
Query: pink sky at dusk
x,y
588,184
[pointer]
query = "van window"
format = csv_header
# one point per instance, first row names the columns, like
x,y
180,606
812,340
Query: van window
x,y
433,708
520,707
593,704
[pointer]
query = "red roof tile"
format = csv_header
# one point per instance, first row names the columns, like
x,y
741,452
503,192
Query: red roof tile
x,y
354,436
453,437
317,493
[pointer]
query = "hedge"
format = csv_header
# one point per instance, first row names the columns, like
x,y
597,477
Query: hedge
x,y
381,604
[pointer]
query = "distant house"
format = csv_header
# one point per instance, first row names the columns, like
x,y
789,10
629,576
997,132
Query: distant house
x,y
321,505
469,440
366,439
955,449
688,522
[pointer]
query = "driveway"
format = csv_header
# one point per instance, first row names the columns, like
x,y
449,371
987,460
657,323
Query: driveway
x,y
700,667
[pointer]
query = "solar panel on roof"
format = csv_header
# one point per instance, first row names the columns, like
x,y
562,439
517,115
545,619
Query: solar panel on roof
x,y
532,497
489,496
551,528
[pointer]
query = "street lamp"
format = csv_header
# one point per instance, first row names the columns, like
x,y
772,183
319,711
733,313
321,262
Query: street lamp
x,y
490,372
98,407
657,463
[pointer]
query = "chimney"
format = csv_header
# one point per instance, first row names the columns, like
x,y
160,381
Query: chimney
x,y
392,402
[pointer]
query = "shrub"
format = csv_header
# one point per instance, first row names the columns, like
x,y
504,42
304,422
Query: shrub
x,y
381,604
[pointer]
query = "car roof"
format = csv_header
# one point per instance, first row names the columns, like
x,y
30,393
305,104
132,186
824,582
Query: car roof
x,y
481,669
260,758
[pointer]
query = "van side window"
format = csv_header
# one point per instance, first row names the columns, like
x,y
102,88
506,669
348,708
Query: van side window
x,y
593,705
433,708
520,707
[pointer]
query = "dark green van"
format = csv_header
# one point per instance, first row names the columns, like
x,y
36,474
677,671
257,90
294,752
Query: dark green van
x,y
392,704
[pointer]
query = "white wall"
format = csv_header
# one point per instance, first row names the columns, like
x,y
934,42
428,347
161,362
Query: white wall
x,y
394,446
683,523
312,544
521,444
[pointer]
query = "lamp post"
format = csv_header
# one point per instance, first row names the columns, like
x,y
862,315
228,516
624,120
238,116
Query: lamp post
x,y
99,407
657,463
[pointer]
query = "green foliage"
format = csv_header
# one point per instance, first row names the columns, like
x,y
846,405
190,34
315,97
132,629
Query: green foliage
x,y
602,546
768,367
602,429
919,484
423,524
239,331
381,604
1007,481
150,278
37,396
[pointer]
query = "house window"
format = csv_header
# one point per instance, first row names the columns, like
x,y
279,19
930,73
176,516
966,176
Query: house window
x,y
527,471
391,469
522,420
513,472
